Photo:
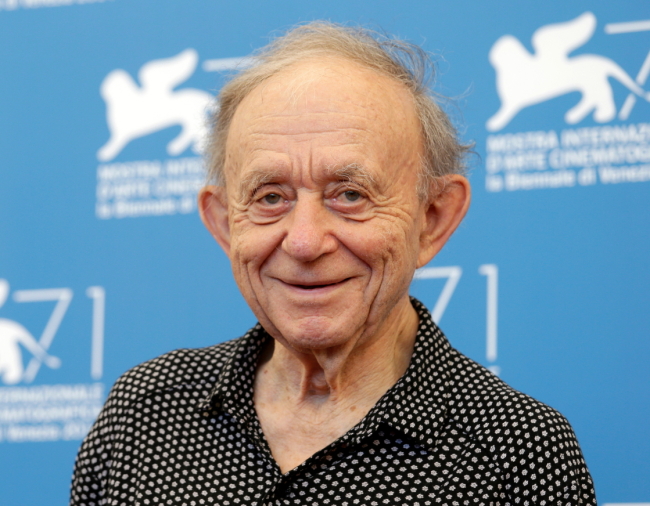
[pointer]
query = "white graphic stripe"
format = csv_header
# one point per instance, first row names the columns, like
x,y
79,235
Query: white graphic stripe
x,y
491,271
220,64
98,295
641,78
628,27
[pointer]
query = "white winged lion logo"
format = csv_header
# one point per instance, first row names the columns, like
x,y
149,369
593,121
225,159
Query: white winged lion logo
x,y
525,79
134,111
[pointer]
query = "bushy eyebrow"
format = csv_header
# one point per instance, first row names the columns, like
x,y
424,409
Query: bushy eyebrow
x,y
353,172
256,178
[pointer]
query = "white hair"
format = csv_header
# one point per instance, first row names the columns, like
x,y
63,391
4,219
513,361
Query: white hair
x,y
406,63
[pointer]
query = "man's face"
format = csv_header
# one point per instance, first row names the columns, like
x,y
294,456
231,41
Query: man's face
x,y
324,221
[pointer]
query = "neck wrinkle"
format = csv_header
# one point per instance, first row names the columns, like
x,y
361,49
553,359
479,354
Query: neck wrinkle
x,y
347,375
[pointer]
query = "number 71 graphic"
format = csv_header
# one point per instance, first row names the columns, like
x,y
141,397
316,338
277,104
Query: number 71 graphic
x,y
63,297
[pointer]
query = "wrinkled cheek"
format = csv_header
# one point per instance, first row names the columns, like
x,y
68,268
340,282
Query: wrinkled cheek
x,y
249,254
239,259
398,264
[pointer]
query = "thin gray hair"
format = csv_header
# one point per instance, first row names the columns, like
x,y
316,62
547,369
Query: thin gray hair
x,y
407,63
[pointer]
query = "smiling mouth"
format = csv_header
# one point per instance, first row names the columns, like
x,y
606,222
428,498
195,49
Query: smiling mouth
x,y
314,287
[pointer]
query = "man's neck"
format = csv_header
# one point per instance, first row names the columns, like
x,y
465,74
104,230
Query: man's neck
x,y
305,401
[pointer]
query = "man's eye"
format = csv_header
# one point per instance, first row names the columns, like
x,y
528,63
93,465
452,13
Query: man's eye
x,y
272,198
351,195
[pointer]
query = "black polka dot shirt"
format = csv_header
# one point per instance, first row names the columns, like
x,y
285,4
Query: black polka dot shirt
x,y
182,430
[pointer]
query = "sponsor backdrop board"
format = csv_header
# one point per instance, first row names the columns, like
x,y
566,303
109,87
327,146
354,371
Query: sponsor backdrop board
x,y
104,263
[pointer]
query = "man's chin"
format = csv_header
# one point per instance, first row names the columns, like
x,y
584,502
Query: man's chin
x,y
316,333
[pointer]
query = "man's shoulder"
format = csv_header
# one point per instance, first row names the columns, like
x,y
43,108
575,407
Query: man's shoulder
x,y
184,368
526,439
486,406
520,433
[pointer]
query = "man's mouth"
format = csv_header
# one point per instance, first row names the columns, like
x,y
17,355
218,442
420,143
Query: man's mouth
x,y
316,285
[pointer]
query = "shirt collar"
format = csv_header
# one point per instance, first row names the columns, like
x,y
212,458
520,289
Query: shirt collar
x,y
416,405
233,391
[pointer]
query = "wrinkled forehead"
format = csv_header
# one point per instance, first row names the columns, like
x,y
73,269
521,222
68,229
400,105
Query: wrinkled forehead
x,y
333,110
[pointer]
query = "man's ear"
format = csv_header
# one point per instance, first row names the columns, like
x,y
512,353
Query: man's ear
x,y
447,205
213,208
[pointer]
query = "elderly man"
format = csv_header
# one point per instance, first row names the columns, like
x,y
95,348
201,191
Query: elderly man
x,y
335,177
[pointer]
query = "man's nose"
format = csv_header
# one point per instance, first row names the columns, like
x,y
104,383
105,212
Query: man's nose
x,y
309,229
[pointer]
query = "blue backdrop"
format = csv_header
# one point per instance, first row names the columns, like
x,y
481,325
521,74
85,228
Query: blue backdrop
x,y
104,262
